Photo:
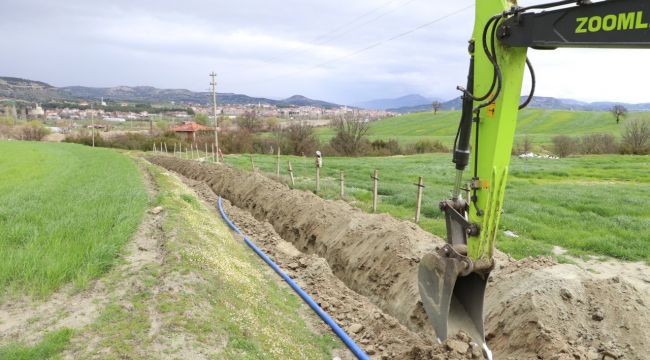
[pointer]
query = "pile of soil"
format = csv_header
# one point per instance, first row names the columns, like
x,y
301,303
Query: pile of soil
x,y
362,268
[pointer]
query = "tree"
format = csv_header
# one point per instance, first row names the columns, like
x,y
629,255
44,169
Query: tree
x,y
435,105
636,137
201,118
350,134
249,121
300,138
618,111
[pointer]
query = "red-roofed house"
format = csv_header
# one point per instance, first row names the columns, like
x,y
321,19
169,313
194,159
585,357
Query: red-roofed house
x,y
190,128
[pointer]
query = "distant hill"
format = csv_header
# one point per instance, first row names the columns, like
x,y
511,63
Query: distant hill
x,y
31,90
538,102
541,125
400,102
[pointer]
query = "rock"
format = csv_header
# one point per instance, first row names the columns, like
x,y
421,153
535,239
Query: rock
x,y
598,315
157,210
370,350
566,294
293,266
457,345
356,328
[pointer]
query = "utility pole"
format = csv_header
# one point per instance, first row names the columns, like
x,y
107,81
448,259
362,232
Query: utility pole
x,y
213,75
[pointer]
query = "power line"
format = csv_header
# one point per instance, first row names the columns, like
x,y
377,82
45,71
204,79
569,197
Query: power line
x,y
334,30
371,46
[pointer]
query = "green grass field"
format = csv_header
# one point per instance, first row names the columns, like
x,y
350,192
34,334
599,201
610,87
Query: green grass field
x,y
539,124
66,212
589,205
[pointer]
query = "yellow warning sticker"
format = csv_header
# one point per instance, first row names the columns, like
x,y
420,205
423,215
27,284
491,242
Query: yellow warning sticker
x,y
491,109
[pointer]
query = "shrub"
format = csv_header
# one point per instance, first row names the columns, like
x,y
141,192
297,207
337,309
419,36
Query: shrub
x,y
33,130
299,139
564,146
598,144
428,146
636,137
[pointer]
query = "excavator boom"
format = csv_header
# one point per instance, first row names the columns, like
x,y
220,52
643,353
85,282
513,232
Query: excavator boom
x,y
453,280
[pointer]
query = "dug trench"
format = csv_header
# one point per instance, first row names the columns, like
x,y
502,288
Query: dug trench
x,y
362,268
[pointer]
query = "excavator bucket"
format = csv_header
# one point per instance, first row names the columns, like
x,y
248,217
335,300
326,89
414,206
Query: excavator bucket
x,y
452,298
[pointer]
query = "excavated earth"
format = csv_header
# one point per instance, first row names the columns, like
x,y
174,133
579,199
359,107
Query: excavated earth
x,y
362,269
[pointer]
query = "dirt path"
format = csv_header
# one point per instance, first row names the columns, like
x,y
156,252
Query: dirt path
x,y
535,308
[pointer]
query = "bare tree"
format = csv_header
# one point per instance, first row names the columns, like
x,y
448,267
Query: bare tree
x,y
435,106
350,134
564,146
300,138
618,111
249,121
636,137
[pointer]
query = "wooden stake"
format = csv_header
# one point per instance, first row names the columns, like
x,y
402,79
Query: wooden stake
x,y
277,164
174,149
214,157
375,183
418,201
166,152
252,163
206,151
154,147
293,183
342,184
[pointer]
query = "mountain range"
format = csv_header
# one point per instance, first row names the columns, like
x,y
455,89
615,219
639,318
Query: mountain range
x,y
37,91
16,88
400,102
542,102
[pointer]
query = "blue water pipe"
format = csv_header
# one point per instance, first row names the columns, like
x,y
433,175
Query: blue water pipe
x,y
356,350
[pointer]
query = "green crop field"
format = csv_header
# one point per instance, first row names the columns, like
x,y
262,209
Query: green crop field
x,y
539,124
588,205
66,210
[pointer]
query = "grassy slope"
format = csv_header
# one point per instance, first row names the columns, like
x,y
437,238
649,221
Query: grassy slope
x,y
540,124
66,212
227,306
210,297
591,204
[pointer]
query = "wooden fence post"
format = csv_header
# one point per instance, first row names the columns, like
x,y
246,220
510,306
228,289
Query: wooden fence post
x,y
293,183
375,183
342,184
154,146
277,164
186,156
317,179
418,201
206,151
166,152
214,157
252,163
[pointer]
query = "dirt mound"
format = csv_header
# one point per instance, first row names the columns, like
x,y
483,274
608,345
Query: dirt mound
x,y
534,308
563,312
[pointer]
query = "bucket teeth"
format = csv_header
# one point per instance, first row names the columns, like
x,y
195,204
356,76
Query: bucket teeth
x,y
453,302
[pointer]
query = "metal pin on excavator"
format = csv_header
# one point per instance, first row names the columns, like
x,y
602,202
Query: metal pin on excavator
x,y
452,281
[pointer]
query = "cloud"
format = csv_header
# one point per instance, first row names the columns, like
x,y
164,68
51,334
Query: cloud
x,y
273,48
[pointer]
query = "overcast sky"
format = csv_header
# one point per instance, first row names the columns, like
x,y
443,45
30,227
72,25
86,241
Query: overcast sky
x,y
276,48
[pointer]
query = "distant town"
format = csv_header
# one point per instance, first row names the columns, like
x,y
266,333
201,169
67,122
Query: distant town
x,y
100,111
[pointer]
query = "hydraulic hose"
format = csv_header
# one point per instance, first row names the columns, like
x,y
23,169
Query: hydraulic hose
x,y
354,348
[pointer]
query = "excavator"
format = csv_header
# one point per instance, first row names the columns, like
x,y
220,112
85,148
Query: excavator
x,y
452,280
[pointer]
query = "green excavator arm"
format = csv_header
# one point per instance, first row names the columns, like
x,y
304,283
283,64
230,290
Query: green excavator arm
x,y
452,281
